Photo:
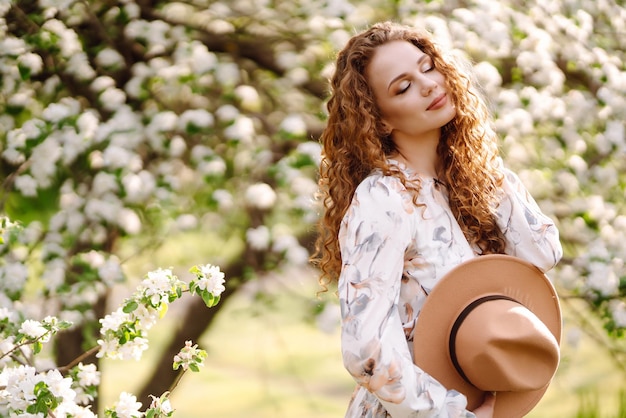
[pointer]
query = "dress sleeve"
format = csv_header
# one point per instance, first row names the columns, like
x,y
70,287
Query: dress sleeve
x,y
375,233
530,234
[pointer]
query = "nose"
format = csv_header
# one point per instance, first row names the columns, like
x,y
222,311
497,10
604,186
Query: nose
x,y
427,86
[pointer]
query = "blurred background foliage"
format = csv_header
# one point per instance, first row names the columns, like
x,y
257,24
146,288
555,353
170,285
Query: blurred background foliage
x,y
136,134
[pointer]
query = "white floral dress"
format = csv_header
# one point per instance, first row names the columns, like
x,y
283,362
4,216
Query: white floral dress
x,y
393,254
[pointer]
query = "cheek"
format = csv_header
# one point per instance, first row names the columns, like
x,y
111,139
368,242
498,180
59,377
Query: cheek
x,y
404,118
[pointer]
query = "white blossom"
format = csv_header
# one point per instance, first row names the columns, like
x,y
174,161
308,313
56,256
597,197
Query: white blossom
x,y
109,57
107,209
54,274
104,183
241,130
163,121
227,112
60,386
177,146
55,112
19,383
12,46
134,349
79,65
102,83
13,156
289,245
31,61
13,276
6,345
26,184
261,195
127,406
138,187
129,221
157,284
248,97
227,73
212,280
224,199
312,149
199,118
112,321
618,311
112,98
214,167
117,157
258,238
20,99
33,329
294,125
488,77
202,60
602,278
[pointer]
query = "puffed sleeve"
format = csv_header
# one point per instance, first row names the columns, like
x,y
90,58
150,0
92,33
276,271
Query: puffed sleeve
x,y
530,234
375,233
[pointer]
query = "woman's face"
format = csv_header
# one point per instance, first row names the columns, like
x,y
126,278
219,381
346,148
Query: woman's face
x,y
410,92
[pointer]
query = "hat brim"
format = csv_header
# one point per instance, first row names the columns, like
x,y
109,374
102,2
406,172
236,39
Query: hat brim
x,y
493,274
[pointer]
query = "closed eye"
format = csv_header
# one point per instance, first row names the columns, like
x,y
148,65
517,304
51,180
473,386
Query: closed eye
x,y
403,86
428,66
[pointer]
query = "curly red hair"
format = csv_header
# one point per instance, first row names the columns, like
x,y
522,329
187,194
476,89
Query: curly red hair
x,y
355,142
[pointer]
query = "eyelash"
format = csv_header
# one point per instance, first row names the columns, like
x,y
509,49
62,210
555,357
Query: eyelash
x,y
429,69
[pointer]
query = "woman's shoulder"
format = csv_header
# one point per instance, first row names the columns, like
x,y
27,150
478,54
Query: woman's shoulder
x,y
392,183
381,192
378,182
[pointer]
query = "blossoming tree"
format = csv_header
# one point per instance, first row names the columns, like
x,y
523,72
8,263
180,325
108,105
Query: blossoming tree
x,y
70,390
133,119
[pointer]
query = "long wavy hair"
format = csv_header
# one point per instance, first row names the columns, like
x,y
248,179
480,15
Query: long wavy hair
x,y
355,142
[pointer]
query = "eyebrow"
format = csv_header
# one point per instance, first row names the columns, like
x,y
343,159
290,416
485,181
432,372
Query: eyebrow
x,y
419,61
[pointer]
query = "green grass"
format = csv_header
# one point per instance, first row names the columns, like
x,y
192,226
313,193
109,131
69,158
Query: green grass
x,y
266,361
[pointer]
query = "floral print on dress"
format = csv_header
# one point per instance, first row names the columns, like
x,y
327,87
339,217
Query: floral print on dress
x,y
393,254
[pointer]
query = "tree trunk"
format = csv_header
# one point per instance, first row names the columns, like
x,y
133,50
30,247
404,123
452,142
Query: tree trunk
x,y
70,344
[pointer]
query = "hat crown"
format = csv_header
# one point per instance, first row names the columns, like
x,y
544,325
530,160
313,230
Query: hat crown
x,y
500,345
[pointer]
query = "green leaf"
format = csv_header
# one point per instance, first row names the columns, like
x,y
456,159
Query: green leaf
x,y
64,324
37,346
24,72
130,306
207,297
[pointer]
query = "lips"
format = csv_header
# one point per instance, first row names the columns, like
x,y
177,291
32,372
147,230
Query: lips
x,y
438,102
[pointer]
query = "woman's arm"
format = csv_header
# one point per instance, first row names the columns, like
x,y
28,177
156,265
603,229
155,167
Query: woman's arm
x,y
375,233
529,233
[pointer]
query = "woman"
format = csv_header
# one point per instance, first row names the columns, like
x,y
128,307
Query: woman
x,y
412,186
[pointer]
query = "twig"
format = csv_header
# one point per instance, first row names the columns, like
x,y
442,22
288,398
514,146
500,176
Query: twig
x,y
176,381
80,358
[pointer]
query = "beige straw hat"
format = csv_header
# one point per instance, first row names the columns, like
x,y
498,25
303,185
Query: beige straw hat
x,y
492,323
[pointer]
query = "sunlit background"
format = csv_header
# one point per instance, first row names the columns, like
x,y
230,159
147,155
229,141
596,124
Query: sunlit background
x,y
137,135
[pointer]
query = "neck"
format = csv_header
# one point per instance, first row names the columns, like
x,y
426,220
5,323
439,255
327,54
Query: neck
x,y
419,155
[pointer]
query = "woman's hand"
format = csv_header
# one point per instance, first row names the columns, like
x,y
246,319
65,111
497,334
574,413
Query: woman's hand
x,y
486,409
